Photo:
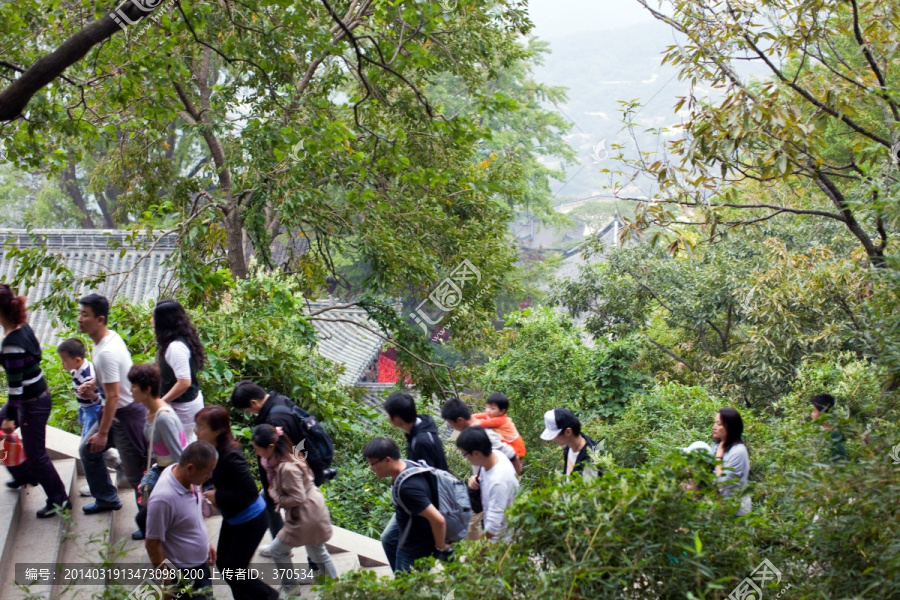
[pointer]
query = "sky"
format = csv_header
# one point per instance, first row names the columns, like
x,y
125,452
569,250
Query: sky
x,y
559,18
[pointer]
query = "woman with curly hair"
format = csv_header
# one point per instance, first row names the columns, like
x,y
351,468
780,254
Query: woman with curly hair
x,y
29,403
180,356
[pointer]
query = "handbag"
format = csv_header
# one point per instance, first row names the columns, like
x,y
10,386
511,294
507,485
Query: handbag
x,y
148,482
12,452
206,507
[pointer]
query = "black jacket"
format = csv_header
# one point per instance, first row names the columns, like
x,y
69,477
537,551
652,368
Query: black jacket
x,y
235,486
286,421
582,459
424,443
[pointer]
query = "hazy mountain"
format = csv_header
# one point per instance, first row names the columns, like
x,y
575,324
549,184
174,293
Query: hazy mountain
x,y
599,69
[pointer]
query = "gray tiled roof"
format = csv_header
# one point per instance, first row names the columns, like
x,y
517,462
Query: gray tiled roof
x,y
573,262
343,342
87,252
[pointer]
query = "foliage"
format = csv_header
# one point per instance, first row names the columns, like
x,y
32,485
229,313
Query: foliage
x,y
540,363
615,377
739,314
636,532
378,153
816,138
666,417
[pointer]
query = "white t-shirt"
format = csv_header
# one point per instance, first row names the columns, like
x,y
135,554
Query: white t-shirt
x,y
178,355
571,460
498,490
498,444
112,360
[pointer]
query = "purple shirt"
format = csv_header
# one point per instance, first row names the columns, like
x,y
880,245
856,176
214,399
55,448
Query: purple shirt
x,y
175,518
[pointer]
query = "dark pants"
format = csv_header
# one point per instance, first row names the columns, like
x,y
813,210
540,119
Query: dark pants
x,y
126,435
141,519
237,543
405,558
32,419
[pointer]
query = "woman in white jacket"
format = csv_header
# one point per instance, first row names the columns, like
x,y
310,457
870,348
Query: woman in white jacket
x,y
734,468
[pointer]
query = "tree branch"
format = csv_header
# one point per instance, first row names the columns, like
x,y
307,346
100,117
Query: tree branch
x,y
19,93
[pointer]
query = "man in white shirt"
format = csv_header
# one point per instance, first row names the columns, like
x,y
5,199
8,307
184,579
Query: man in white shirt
x,y
496,478
459,417
122,420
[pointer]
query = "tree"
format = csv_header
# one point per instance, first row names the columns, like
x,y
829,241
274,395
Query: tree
x,y
819,135
317,124
740,314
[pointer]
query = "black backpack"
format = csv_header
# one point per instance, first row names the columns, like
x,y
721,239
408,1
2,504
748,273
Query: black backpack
x,y
317,446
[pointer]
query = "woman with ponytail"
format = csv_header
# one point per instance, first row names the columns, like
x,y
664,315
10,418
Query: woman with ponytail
x,y
233,492
29,403
292,487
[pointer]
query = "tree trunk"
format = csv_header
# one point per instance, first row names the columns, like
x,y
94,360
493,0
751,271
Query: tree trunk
x,y
234,232
69,185
104,201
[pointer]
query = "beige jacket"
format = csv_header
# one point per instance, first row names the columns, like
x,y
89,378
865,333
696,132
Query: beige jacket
x,y
306,518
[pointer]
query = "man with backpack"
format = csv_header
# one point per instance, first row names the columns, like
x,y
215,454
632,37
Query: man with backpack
x,y
310,440
422,439
431,507
423,443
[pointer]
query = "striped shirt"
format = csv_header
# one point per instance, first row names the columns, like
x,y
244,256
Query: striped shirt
x,y
82,374
20,355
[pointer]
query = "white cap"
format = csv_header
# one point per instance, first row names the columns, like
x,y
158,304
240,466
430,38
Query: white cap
x,y
699,446
551,430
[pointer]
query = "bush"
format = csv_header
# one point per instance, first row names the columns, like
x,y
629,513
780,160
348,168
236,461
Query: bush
x,y
628,534
540,363
667,417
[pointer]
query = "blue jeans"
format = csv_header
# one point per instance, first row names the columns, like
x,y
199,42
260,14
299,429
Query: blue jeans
x,y
405,559
87,416
390,540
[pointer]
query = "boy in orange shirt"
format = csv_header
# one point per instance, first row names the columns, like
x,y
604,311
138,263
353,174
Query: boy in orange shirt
x,y
495,417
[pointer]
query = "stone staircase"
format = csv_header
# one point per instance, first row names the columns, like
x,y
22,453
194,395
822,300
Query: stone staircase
x,y
105,540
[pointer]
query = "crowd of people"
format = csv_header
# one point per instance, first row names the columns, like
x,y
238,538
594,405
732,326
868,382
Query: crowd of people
x,y
149,422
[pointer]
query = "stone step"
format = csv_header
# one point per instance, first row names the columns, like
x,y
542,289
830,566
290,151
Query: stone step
x,y
37,541
10,518
123,525
85,543
369,551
